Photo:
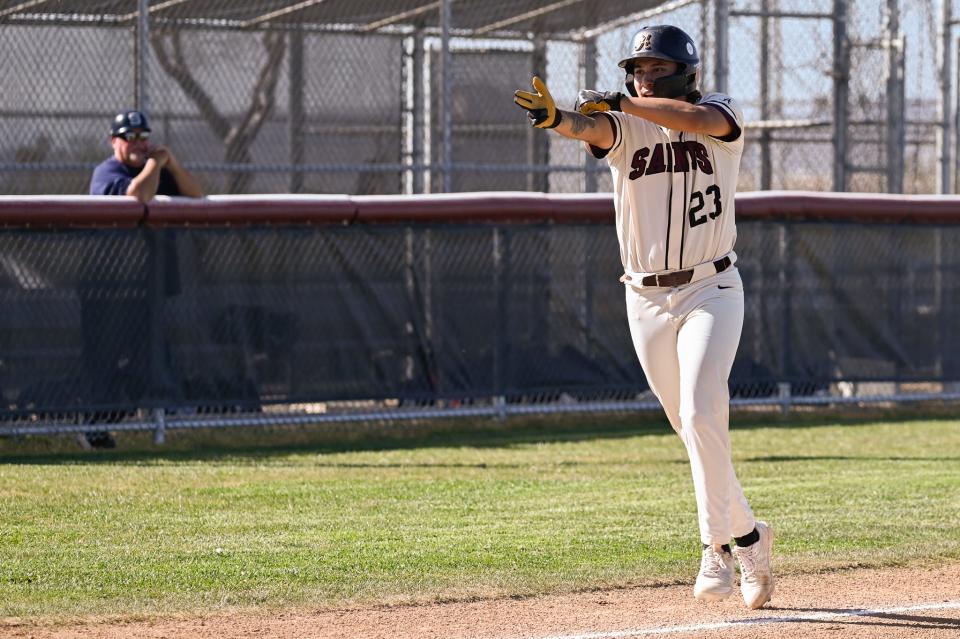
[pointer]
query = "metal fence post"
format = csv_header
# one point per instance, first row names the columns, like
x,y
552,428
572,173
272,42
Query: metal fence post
x,y
501,257
783,394
955,122
429,119
296,110
766,168
944,102
413,113
721,72
159,246
841,59
704,37
419,109
446,84
141,69
895,98
786,325
160,432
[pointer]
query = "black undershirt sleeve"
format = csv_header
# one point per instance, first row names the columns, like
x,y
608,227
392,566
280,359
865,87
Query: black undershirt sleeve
x,y
602,153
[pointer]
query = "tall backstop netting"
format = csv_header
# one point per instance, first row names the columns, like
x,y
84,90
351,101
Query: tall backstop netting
x,y
240,310
415,96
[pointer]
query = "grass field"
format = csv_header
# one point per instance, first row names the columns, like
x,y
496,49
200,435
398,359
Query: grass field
x,y
565,504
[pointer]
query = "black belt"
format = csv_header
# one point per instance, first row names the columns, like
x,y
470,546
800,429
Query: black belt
x,y
679,278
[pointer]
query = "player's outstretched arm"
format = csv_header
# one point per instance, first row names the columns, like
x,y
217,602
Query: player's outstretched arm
x,y
671,113
544,114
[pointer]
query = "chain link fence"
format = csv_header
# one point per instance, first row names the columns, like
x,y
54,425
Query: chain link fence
x,y
414,96
177,324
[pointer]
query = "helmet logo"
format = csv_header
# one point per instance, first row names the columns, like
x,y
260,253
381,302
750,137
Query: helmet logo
x,y
690,48
644,42
135,119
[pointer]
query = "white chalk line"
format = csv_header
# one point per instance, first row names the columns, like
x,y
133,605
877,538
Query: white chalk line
x,y
818,616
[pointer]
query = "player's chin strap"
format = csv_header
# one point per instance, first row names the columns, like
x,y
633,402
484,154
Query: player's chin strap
x,y
672,279
672,86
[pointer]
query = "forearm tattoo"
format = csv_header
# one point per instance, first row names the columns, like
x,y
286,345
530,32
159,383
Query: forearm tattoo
x,y
580,123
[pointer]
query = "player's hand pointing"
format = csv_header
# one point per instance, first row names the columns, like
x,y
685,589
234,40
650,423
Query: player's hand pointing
x,y
541,109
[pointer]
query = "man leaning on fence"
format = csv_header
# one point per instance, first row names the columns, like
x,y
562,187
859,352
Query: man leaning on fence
x,y
117,310
139,168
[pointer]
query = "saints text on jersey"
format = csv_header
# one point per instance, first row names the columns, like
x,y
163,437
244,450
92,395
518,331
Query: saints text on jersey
x,y
683,153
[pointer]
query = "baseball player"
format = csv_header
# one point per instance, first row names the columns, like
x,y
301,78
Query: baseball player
x,y
675,155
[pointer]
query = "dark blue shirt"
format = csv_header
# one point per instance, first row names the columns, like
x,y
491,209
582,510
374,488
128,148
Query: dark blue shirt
x,y
113,177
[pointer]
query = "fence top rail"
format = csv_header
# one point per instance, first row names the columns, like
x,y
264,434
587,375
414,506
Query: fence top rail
x,y
462,208
69,211
878,208
509,207
223,210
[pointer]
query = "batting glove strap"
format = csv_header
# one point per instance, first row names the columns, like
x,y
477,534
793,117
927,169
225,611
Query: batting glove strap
x,y
539,118
589,101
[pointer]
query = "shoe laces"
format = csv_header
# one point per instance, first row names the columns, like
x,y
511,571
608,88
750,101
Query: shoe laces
x,y
712,563
752,560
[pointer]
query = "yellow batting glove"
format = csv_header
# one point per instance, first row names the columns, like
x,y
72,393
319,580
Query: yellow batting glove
x,y
540,107
596,101
593,107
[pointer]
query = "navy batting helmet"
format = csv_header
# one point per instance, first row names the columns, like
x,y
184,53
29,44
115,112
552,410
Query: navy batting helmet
x,y
665,42
127,120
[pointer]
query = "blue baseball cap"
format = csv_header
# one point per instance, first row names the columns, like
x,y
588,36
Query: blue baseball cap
x,y
127,120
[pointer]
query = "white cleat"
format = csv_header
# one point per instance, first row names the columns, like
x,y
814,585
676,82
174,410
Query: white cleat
x,y
756,578
715,581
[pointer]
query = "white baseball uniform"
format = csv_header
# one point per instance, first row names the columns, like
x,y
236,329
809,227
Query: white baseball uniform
x,y
674,196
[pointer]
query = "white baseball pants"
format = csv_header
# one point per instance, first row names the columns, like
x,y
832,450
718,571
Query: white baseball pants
x,y
686,339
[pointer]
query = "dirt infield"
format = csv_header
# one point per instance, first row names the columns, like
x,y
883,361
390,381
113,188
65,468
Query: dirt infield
x,y
854,603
